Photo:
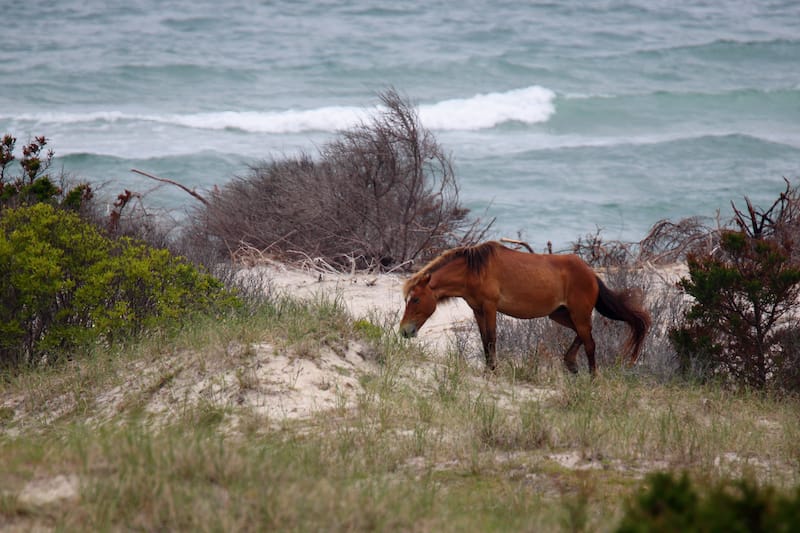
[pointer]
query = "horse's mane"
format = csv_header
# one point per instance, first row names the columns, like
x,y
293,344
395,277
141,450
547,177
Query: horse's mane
x,y
476,258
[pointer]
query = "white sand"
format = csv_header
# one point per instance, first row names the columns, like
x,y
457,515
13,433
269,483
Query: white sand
x,y
377,297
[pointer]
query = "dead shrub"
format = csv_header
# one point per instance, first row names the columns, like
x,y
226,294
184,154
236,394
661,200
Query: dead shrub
x,y
667,242
671,242
601,253
381,194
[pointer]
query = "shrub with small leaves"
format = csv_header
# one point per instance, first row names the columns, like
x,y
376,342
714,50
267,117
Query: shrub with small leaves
x,y
63,284
34,183
745,303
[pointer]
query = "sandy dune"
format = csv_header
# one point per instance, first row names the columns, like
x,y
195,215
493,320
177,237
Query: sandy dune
x,y
378,297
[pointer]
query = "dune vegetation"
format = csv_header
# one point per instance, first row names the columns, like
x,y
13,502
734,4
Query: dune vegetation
x,y
164,433
150,381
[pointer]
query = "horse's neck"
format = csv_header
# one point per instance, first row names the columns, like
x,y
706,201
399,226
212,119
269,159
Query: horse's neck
x,y
449,280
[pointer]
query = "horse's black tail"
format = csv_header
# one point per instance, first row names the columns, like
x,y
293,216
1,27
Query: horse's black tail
x,y
625,305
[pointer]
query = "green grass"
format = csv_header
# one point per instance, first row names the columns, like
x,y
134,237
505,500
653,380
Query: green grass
x,y
430,443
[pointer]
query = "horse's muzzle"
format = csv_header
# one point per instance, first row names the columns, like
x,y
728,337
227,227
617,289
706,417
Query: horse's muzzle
x,y
408,331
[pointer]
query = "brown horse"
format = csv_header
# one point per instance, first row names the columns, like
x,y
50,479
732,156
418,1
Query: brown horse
x,y
492,278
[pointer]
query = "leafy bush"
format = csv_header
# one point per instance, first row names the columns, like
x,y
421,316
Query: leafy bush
x,y
675,505
379,195
63,284
745,302
34,184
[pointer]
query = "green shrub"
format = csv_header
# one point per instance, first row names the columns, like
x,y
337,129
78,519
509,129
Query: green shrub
x,y
63,284
745,300
34,184
675,505
368,330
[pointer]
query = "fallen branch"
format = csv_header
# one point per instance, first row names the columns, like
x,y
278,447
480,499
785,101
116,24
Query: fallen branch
x,y
173,182
317,264
401,265
518,243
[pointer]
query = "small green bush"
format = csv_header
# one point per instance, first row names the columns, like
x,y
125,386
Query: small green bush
x,y
742,506
33,183
745,297
63,284
368,330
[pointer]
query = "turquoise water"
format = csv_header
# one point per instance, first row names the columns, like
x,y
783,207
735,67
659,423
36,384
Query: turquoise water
x,y
561,118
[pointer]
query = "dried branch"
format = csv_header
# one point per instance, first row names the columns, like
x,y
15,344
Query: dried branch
x,y
759,224
175,183
518,243
670,242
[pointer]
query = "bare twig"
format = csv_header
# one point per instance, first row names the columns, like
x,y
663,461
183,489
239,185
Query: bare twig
x,y
401,265
518,243
762,223
175,183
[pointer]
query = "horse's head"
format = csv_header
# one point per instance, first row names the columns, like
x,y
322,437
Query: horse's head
x,y
420,305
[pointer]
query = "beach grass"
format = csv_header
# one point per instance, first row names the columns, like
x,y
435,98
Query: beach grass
x,y
424,443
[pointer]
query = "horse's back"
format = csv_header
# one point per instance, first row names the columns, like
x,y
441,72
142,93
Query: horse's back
x,y
534,285
546,267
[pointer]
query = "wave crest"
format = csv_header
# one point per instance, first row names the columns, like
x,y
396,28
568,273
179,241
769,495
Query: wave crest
x,y
529,105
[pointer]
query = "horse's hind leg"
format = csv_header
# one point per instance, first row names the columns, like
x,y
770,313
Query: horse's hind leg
x,y
561,316
571,355
584,330
582,325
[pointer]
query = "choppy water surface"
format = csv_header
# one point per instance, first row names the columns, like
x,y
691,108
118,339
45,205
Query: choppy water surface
x,y
560,118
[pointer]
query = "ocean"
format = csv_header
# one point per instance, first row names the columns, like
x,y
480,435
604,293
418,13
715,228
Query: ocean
x,y
562,118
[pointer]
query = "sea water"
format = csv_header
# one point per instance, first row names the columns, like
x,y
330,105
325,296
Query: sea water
x,y
561,118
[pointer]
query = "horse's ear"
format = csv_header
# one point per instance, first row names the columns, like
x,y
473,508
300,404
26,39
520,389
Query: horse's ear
x,y
424,280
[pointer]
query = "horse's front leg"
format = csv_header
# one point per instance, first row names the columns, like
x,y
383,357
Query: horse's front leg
x,y
487,324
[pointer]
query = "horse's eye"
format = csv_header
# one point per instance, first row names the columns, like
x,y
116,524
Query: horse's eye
x,y
414,300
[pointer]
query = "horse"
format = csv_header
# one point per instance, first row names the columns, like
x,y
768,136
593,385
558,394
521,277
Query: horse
x,y
493,278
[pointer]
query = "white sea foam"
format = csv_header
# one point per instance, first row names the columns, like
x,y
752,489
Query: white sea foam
x,y
65,117
529,105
